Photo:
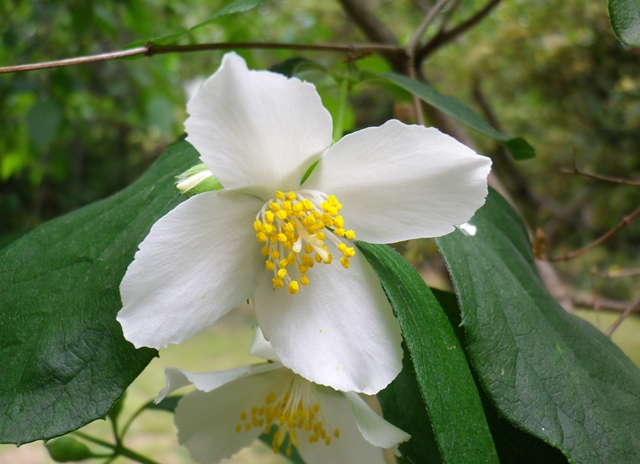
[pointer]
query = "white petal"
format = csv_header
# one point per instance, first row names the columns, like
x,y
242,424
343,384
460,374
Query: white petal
x,y
338,331
197,263
374,428
257,131
207,381
261,348
206,421
350,447
399,182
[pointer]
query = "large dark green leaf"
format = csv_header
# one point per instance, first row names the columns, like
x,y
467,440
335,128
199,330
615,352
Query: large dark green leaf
x,y
625,20
547,372
64,360
441,370
517,146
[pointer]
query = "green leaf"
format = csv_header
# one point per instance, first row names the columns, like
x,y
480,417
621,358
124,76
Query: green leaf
x,y
625,20
547,372
68,449
441,370
267,439
402,405
169,404
238,6
513,445
517,146
64,360
292,66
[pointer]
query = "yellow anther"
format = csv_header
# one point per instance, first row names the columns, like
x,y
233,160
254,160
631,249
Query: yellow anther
x,y
279,195
350,235
282,237
265,250
261,236
247,426
293,287
267,228
277,282
275,254
345,263
269,265
238,428
286,205
273,206
282,273
269,216
320,235
302,268
339,231
342,247
308,249
336,433
282,215
291,196
327,441
243,415
304,280
257,225
338,221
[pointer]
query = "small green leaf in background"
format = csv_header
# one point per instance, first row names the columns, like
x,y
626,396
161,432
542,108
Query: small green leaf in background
x,y
43,123
68,449
238,6
517,146
64,359
625,20
292,66
547,372
441,370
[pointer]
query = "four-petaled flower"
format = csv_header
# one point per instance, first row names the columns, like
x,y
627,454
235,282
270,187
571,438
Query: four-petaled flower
x,y
232,408
271,233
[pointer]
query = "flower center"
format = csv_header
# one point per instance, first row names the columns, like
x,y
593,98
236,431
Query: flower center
x,y
292,227
292,406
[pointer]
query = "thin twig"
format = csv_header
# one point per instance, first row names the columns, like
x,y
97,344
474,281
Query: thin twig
x,y
612,179
624,222
619,273
633,307
151,49
446,36
426,22
601,304
417,103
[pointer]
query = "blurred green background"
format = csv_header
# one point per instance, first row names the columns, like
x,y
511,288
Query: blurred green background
x,y
548,70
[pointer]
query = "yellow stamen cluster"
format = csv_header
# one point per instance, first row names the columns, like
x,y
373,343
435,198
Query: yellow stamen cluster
x,y
292,226
291,417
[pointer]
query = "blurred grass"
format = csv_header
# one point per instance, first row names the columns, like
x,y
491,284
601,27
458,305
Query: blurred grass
x,y
223,346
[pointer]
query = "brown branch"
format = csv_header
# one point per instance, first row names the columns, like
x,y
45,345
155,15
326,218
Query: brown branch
x,y
624,222
413,43
375,31
444,37
614,180
633,307
356,50
607,305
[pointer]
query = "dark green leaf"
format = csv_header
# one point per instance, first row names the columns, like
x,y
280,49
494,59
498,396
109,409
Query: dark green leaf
x,y
547,372
517,146
238,6
402,405
267,439
64,360
441,369
169,404
290,67
513,445
68,449
625,20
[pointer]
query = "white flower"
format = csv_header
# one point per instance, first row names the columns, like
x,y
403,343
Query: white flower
x,y
234,407
259,133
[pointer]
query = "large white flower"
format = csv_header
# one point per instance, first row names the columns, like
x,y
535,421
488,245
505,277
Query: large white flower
x,y
232,408
269,236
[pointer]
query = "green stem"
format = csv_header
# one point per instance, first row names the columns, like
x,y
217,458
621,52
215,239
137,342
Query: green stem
x,y
118,449
338,127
